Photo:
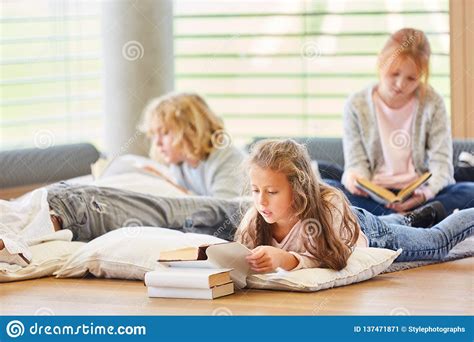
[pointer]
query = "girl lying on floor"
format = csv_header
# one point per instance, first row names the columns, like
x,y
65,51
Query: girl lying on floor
x,y
191,139
295,221
298,222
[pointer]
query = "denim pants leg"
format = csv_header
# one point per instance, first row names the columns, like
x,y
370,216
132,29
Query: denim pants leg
x,y
361,202
394,219
456,196
417,243
90,211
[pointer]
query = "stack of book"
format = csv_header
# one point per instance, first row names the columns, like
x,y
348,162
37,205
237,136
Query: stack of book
x,y
205,272
195,283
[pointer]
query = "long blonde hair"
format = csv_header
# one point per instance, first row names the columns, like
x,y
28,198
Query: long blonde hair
x,y
189,117
311,201
407,43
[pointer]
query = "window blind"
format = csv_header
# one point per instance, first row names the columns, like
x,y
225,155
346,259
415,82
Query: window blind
x,y
51,89
278,68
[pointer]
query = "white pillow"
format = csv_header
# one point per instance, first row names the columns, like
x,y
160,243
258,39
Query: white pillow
x,y
47,258
363,264
128,253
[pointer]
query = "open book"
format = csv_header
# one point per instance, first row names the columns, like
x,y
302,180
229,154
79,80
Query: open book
x,y
104,168
221,255
135,171
385,196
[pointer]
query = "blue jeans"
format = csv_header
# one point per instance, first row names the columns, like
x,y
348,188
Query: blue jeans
x,y
417,243
455,196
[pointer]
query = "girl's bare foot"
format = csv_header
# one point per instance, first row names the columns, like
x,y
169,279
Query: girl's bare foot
x,y
57,222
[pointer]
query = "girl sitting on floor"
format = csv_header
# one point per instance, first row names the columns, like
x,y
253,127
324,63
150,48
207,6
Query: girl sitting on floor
x,y
298,222
397,129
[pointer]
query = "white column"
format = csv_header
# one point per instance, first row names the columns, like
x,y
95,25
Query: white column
x,y
138,65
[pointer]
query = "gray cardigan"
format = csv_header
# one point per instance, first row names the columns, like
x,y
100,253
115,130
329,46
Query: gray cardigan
x,y
432,148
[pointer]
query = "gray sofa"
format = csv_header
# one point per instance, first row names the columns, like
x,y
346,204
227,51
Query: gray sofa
x,y
329,154
330,149
25,169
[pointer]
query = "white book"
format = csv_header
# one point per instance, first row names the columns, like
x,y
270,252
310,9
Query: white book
x,y
201,278
176,292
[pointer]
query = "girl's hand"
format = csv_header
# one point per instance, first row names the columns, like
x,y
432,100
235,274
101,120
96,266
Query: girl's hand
x,y
267,259
414,201
351,181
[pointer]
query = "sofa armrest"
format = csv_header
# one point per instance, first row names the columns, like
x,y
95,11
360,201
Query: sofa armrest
x,y
26,169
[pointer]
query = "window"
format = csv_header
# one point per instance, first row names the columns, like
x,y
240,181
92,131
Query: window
x,y
51,91
269,67
275,68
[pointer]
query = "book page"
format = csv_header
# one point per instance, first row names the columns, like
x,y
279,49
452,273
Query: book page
x,y
410,188
231,255
377,193
142,183
222,255
126,164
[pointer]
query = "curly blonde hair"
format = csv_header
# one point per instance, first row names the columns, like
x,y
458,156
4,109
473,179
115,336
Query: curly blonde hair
x,y
189,117
311,199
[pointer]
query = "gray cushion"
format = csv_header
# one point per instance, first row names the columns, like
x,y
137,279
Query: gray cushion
x,y
330,149
38,166
327,149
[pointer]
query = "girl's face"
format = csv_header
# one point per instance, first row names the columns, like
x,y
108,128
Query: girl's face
x,y
272,196
164,140
399,83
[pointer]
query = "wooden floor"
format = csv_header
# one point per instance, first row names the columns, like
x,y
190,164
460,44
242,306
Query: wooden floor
x,y
443,289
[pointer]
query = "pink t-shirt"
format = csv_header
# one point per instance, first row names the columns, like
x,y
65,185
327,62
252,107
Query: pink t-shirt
x,y
394,127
